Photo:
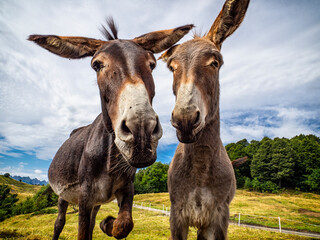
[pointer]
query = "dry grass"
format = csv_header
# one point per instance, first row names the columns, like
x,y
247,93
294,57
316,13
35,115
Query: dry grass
x,y
286,205
148,226
302,207
296,211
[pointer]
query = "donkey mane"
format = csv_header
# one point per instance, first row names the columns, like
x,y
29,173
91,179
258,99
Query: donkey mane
x,y
112,34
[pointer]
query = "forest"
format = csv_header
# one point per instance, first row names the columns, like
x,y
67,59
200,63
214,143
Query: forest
x,y
272,165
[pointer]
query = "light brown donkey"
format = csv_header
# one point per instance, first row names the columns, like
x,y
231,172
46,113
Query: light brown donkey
x,y
201,179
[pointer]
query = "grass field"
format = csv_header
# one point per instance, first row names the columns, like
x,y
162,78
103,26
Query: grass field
x,y
22,189
296,211
148,226
303,207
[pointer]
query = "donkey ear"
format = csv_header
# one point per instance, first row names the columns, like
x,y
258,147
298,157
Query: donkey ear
x,y
68,47
165,56
161,40
228,20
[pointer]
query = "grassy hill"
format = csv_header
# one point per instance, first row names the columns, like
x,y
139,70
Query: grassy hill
x,y
22,189
295,210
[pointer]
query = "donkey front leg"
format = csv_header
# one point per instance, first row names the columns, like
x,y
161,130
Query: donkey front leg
x,y
179,229
123,224
61,219
93,219
218,229
85,209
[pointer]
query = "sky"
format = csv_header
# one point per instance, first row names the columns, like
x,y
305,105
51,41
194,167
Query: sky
x,y
269,83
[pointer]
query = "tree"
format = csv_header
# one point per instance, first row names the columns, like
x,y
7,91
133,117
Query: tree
x,y
274,161
7,201
153,179
313,180
44,198
307,160
293,163
261,162
282,161
235,151
7,175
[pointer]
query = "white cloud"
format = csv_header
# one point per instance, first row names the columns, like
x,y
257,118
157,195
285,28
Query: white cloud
x,y
20,170
271,63
271,122
38,171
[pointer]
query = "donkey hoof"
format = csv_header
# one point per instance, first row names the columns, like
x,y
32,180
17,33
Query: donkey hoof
x,y
106,225
122,227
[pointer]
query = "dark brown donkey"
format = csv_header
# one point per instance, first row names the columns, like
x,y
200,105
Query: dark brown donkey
x,y
201,179
98,162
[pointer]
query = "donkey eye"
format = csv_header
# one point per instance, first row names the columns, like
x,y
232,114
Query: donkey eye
x,y
171,68
152,65
214,64
97,66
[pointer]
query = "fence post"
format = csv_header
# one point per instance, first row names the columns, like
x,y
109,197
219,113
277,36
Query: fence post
x,y
279,225
239,220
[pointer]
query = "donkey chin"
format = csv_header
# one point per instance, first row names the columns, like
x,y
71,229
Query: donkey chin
x,y
190,135
135,156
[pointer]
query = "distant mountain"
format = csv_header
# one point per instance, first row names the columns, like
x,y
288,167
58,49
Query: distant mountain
x,y
28,180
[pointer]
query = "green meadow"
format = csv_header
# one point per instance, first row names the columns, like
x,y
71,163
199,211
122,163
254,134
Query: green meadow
x,y
147,226
297,211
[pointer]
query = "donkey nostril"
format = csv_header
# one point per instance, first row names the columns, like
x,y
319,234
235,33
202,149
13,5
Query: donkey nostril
x,y
124,128
156,130
197,119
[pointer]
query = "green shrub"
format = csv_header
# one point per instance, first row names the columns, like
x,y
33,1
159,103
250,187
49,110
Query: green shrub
x,y
313,180
241,180
255,185
247,184
44,198
7,201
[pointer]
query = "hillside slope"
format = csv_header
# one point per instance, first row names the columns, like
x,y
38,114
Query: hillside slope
x,y
23,190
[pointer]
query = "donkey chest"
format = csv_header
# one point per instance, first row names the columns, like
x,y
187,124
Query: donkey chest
x,y
104,188
198,207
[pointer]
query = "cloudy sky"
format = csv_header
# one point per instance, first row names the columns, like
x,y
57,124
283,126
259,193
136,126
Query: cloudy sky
x,y
270,82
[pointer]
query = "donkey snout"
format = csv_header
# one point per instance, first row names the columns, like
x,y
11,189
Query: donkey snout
x,y
186,119
140,129
137,136
188,123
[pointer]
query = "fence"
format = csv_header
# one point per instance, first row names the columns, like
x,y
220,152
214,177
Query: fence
x,y
239,218
269,221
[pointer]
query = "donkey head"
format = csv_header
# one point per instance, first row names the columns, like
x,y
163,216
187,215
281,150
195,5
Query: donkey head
x,y
195,65
124,75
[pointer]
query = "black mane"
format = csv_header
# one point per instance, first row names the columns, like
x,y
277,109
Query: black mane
x,y
112,34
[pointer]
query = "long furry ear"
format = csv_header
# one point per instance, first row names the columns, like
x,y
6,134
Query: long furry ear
x,y
238,162
165,56
228,20
68,47
161,40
